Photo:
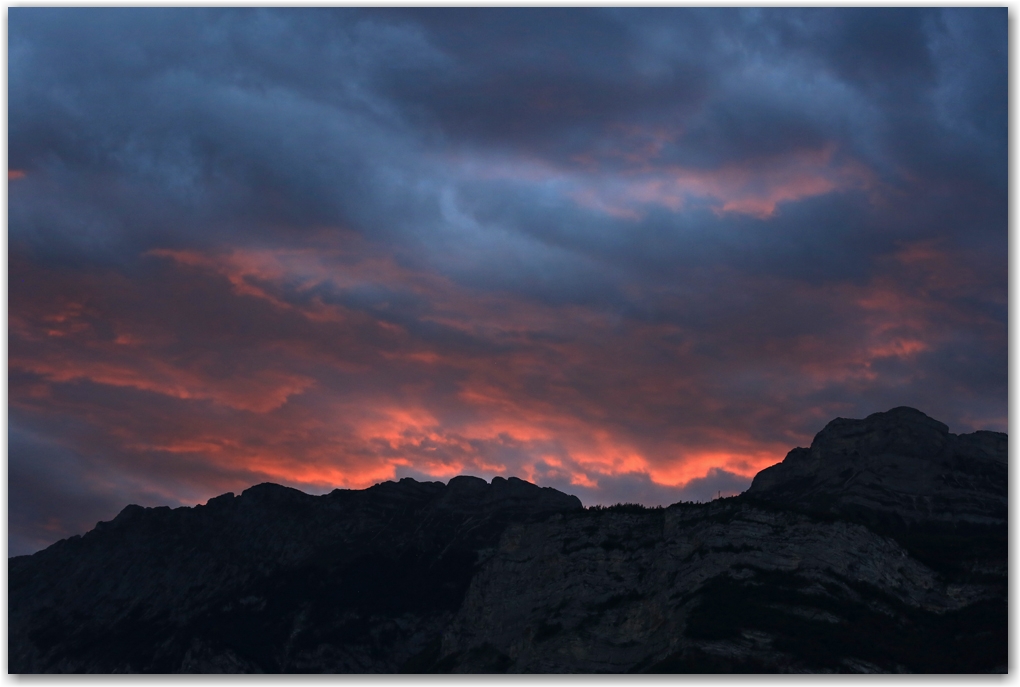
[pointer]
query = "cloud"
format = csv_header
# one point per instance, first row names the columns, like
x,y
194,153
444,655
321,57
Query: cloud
x,y
243,366
755,187
634,254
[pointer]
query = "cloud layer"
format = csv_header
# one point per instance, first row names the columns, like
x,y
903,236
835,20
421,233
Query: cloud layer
x,y
636,255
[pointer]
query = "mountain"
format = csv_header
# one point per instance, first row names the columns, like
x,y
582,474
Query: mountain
x,y
897,467
881,548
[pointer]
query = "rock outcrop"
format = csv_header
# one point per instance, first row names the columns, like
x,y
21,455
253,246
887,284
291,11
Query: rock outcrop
x,y
881,548
900,466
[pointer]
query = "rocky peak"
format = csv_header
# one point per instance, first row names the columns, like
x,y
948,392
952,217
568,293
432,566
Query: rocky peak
x,y
900,465
901,431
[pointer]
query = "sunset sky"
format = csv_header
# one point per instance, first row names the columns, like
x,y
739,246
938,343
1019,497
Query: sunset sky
x,y
636,255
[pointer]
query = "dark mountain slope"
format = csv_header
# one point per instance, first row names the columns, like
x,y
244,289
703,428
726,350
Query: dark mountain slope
x,y
273,580
943,496
880,548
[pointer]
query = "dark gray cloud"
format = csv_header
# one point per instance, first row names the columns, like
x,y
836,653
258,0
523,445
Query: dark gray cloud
x,y
162,126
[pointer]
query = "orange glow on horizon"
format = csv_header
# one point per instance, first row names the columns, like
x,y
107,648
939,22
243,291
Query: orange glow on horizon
x,y
699,465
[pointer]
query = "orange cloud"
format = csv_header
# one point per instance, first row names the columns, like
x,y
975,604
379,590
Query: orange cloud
x,y
259,393
323,395
14,174
699,464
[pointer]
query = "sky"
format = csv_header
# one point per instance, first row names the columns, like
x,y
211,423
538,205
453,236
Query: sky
x,y
635,255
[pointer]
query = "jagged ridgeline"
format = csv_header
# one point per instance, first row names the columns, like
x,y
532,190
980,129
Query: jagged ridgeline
x,y
882,547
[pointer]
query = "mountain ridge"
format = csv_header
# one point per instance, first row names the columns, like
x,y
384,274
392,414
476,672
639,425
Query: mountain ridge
x,y
811,570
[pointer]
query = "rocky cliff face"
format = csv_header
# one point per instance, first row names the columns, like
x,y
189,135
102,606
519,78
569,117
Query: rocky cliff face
x,y
272,580
900,467
880,548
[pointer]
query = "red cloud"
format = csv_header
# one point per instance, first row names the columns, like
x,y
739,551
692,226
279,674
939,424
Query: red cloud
x,y
217,370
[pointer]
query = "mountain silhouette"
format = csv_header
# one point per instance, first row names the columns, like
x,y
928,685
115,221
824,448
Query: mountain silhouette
x,y
880,548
